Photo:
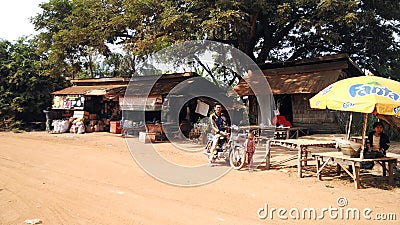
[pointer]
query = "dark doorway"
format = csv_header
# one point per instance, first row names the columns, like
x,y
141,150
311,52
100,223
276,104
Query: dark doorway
x,y
284,105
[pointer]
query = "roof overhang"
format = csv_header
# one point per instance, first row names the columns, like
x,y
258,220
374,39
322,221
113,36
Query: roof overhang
x,y
90,90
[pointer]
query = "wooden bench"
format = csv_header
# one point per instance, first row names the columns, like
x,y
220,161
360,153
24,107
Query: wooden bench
x,y
299,145
344,161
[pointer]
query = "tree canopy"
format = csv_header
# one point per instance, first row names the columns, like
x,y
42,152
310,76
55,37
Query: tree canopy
x,y
24,88
72,31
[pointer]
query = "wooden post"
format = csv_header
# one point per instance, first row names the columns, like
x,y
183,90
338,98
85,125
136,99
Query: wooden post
x,y
305,155
391,177
356,173
384,168
349,128
319,177
268,155
299,162
364,130
338,169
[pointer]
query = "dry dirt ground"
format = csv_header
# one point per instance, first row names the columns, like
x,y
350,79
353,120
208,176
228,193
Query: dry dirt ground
x,y
93,179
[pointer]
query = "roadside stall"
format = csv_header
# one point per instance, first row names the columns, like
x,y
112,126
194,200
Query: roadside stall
x,y
81,109
172,104
144,102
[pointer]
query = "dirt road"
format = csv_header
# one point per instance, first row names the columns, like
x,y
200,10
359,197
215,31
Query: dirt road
x,y
93,179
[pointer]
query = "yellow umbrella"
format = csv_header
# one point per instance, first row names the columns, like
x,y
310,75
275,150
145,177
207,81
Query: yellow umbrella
x,y
364,94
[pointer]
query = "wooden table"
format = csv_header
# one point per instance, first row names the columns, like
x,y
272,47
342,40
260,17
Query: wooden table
x,y
290,132
344,161
301,145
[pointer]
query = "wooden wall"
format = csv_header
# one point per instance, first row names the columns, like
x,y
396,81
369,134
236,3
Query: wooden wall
x,y
318,121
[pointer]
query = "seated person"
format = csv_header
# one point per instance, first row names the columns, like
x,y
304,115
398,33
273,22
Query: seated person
x,y
185,127
281,121
377,144
218,123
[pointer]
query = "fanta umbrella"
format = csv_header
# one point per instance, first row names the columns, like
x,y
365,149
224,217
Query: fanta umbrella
x,y
364,94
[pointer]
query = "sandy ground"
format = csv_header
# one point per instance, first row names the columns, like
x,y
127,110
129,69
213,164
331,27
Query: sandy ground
x,y
93,179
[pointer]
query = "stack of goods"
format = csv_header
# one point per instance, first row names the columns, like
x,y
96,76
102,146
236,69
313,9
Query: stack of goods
x,y
78,127
99,126
60,126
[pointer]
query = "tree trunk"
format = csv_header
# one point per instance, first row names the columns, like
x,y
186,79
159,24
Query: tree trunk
x,y
91,66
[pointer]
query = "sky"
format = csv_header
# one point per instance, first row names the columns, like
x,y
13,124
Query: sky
x,y
14,18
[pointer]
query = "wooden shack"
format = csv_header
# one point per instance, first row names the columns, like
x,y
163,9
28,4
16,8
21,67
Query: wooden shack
x,y
294,83
150,93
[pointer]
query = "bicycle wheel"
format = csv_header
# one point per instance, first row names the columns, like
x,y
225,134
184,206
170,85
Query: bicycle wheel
x,y
237,158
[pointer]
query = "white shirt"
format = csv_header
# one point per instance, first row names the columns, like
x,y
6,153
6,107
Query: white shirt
x,y
375,142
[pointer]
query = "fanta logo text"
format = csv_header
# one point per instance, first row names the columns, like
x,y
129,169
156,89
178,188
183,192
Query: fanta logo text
x,y
347,105
363,90
396,110
326,90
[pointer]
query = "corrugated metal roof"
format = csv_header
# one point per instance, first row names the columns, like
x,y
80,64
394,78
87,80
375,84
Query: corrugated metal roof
x,y
89,90
153,86
187,87
125,81
139,103
178,85
137,86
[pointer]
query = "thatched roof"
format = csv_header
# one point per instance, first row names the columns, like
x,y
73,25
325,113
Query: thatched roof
x,y
306,76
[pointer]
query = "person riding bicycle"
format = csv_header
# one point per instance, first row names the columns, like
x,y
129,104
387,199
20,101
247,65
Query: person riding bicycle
x,y
218,126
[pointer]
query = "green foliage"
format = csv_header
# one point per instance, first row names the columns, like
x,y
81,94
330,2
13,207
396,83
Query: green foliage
x,y
24,89
72,32
117,65
16,130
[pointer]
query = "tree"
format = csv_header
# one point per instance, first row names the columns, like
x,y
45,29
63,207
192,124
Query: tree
x,y
266,30
117,65
24,89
